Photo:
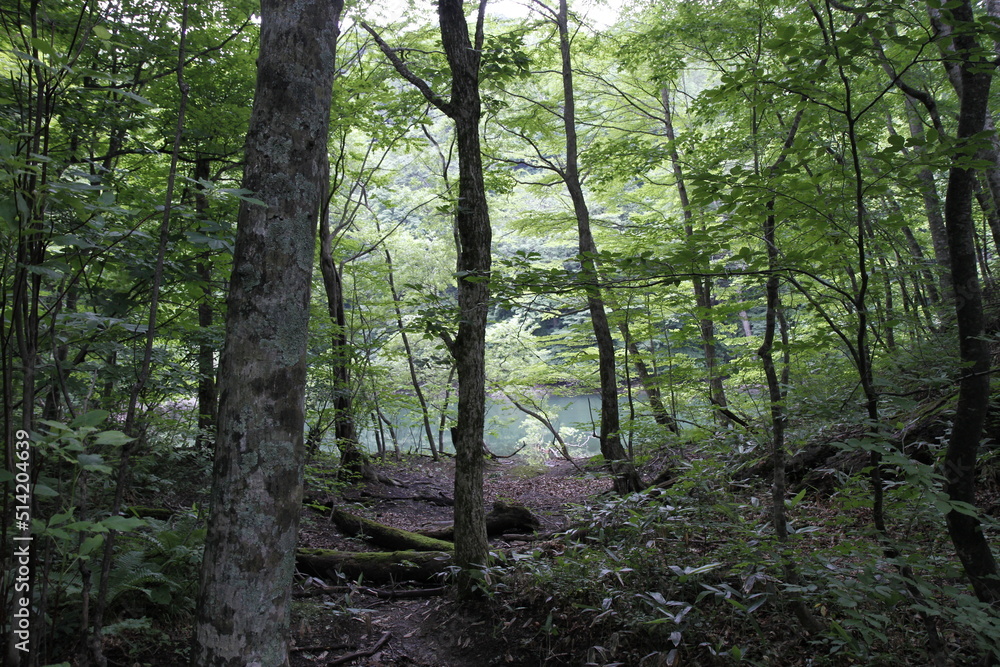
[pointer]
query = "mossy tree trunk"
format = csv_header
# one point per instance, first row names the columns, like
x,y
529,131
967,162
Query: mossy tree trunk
x,y
378,567
244,601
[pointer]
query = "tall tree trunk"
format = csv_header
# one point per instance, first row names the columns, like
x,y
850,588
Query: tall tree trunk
x,y
626,478
244,601
886,316
443,416
354,463
974,389
776,385
648,381
208,396
702,286
410,361
472,221
917,253
473,236
932,208
929,194
988,152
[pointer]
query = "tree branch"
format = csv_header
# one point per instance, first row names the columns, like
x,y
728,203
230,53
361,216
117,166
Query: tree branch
x,y
404,71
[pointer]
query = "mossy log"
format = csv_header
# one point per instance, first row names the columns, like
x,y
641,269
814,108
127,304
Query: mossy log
x,y
503,518
386,536
378,567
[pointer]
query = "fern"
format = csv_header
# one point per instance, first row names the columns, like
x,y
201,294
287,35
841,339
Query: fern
x,y
161,565
133,573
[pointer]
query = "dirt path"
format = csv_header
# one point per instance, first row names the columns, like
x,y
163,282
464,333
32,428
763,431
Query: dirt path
x,y
344,619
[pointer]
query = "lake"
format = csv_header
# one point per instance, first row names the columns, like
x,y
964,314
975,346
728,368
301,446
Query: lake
x,y
507,428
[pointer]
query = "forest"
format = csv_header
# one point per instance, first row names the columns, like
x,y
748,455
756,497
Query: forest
x,y
696,295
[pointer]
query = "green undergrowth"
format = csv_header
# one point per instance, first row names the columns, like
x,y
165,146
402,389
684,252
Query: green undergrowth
x,y
693,575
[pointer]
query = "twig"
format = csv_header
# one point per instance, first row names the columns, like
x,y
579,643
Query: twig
x,y
499,456
334,647
362,654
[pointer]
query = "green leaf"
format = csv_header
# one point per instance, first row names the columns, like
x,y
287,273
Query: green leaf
x,y
92,418
115,438
44,491
705,568
93,462
42,46
896,142
796,499
161,595
90,544
129,94
8,215
122,523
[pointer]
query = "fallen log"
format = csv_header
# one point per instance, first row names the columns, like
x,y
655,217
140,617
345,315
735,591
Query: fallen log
x,y
386,537
503,518
440,499
379,567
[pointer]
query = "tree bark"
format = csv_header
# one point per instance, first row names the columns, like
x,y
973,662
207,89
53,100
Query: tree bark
x,y
626,478
974,389
988,151
928,191
473,236
243,606
935,221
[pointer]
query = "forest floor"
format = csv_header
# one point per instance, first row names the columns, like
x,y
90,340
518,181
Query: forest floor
x,y
351,623
555,613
